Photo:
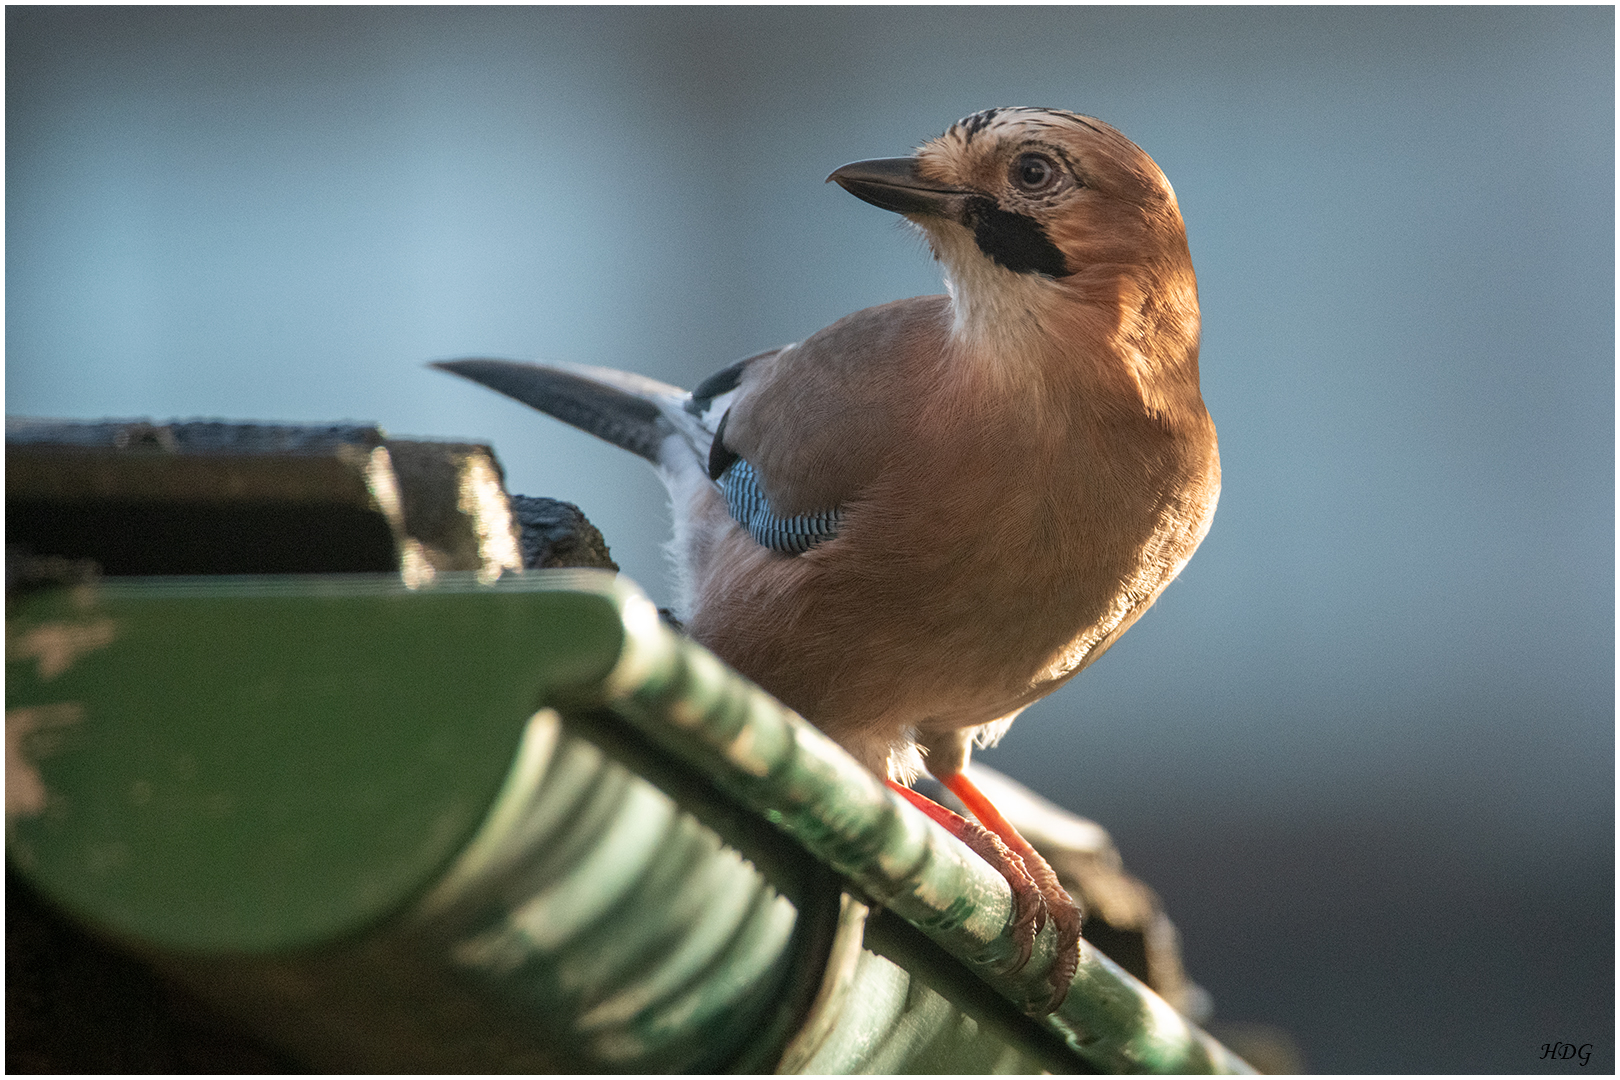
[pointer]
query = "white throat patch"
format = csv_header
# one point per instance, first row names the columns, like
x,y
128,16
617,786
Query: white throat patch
x,y
992,308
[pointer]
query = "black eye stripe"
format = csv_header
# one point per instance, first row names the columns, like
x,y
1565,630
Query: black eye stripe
x,y
1015,241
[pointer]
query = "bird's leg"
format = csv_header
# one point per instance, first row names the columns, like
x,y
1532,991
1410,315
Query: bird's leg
x,y
1059,904
1029,899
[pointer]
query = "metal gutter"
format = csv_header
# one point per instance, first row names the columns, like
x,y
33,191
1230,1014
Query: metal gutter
x,y
510,826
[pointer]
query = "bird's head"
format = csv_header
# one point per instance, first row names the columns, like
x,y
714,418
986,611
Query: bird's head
x,y
1034,208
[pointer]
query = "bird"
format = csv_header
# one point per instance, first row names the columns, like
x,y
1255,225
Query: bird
x,y
917,521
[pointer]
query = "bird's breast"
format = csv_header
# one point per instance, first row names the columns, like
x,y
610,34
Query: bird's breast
x,y
1030,537
1006,535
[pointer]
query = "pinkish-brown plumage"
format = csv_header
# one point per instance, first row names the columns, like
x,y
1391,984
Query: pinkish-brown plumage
x,y
1020,467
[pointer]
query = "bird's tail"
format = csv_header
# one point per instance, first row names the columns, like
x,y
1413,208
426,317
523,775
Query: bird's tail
x,y
628,410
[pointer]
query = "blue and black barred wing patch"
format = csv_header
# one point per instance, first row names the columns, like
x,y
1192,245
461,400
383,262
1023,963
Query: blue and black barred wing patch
x,y
747,503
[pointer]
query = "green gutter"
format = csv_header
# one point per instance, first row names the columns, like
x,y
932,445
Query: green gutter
x,y
396,829
777,765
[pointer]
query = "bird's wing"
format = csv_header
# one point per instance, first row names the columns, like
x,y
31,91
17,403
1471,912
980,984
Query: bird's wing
x,y
749,506
712,397
817,421
640,414
790,435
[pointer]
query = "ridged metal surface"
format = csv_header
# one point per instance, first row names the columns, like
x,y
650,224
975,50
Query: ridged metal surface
x,y
591,899
509,827
776,764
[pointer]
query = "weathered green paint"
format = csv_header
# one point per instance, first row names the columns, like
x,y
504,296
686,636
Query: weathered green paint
x,y
593,901
348,786
783,768
302,751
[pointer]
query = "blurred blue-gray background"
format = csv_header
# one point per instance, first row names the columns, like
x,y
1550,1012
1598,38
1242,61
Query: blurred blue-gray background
x,y
1364,747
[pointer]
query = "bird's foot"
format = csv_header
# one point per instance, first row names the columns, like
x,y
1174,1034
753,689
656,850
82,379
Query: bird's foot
x,y
1030,907
1065,915
1029,898
1058,905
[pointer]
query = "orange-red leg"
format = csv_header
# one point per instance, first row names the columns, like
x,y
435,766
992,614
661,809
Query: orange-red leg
x,y
1060,905
1029,900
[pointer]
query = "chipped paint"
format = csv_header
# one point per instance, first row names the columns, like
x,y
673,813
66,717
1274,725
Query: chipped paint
x,y
415,569
28,738
58,645
741,752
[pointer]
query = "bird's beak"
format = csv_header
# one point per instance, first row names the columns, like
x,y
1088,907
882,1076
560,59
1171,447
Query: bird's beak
x,y
894,184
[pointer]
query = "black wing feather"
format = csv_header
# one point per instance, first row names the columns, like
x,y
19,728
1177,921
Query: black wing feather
x,y
723,382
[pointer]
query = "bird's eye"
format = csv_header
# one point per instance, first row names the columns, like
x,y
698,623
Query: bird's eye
x,y
1034,172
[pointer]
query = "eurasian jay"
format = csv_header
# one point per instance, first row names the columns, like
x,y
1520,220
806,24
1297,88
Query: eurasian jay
x,y
919,520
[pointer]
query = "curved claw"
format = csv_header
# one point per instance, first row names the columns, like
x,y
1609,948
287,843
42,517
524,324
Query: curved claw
x,y
1056,901
1036,894
1066,917
1030,905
